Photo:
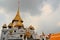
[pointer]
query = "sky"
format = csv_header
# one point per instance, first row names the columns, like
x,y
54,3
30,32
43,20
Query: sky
x,y
43,15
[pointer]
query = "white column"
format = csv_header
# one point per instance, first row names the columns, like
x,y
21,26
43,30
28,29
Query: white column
x,y
44,37
26,37
23,37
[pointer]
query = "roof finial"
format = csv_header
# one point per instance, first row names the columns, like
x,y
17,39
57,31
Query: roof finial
x,y
17,17
18,4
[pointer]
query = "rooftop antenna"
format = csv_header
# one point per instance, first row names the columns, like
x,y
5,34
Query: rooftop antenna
x,y
18,4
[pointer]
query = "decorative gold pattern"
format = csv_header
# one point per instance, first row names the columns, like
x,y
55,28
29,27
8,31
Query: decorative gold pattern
x,y
11,24
19,24
18,19
28,34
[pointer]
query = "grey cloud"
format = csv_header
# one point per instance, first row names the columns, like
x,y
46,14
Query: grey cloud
x,y
54,3
25,5
31,5
10,5
28,5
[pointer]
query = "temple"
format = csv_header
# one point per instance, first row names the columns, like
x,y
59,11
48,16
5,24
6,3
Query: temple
x,y
17,31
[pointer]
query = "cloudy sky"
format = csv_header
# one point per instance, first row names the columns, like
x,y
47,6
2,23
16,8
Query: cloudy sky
x,y
44,15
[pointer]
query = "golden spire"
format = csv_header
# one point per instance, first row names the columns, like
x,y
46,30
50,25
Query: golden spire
x,y
18,21
17,17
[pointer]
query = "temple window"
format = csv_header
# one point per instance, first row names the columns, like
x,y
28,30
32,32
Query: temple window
x,y
14,30
21,35
9,27
42,38
3,38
